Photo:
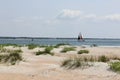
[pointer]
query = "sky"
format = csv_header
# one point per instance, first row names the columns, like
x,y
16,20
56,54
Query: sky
x,y
60,18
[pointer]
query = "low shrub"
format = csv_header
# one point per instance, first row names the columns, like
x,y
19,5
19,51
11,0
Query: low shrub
x,y
68,49
83,51
115,66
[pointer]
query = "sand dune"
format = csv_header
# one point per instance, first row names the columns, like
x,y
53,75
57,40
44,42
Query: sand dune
x,y
46,67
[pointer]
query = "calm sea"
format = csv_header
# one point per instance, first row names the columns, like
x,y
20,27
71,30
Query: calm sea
x,y
72,41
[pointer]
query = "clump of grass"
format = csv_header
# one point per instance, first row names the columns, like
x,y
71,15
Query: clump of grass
x,y
66,62
103,58
3,50
68,49
40,52
15,51
60,44
73,63
13,57
46,51
43,53
82,62
115,66
32,46
83,51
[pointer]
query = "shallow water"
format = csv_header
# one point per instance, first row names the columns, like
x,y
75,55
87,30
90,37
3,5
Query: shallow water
x,y
72,41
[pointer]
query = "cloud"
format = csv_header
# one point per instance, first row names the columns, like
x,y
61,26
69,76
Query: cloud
x,y
69,14
112,17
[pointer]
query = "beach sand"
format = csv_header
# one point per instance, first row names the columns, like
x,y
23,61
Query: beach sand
x,y
47,67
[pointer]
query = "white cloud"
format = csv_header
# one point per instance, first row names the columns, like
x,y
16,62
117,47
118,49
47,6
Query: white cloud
x,y
69,14
112,17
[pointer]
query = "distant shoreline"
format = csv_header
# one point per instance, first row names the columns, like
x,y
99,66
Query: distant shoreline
x,y
56,38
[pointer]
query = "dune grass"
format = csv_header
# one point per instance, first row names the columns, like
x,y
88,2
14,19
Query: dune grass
x,y
11,58
83,62
115,66
66,49
101,58
32,46
46,51
73,63
60,44
83,51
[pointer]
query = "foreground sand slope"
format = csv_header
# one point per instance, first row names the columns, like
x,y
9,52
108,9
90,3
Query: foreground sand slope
x,y
46,67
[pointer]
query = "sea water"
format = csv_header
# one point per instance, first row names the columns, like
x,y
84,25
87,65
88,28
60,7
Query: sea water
x,y
72,41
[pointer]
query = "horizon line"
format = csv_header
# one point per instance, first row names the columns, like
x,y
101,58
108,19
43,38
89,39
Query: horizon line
x,y
10,37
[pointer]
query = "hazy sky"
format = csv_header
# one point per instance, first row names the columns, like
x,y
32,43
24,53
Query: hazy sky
x,y
60,18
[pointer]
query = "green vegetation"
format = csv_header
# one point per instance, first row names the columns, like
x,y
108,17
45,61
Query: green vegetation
x,y
39,53
10,56
43,53
8,44
83,51
3,50
82,62
13,57
46,51
68,49
32,46
115,66
60,44
103,58
73,63
15,51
